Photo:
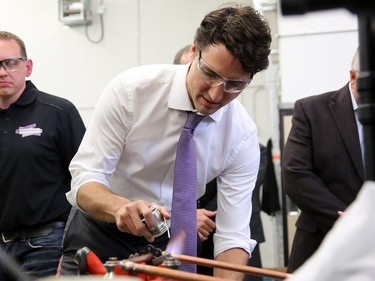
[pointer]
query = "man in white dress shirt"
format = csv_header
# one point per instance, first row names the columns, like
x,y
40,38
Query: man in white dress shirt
x,y
126,161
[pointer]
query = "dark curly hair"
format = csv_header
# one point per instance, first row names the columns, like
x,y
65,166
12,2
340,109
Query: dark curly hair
x,y
243,31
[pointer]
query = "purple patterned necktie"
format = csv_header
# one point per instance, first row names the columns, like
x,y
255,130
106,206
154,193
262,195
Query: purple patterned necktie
x,y
184,206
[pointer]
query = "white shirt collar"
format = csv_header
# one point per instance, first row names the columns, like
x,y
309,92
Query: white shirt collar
x,y
354,102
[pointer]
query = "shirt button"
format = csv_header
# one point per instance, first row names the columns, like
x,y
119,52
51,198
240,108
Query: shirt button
x,y
5,132
7,119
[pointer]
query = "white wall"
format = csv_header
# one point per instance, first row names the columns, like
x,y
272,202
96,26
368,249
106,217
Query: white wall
x,y
316,50
65,62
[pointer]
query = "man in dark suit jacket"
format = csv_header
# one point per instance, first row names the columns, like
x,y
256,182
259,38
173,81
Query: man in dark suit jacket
x,y
322,167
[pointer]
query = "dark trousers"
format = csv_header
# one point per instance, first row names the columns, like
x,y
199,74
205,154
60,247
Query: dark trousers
x,y
103,239
304,245
256,262
38,256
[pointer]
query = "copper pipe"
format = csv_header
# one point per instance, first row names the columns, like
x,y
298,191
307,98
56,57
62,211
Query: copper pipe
x,y
166,272
231,266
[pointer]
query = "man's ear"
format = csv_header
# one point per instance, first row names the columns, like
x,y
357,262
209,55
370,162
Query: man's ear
x,y
193,51
29,67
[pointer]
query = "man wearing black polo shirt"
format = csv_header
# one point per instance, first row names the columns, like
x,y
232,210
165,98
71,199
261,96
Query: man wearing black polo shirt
x,y
39,135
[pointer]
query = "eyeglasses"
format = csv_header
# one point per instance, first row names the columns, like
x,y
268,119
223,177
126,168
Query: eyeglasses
x,y
11,64
214,79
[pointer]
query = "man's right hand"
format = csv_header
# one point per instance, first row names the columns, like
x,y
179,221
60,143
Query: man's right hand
x,y
100,202
129,218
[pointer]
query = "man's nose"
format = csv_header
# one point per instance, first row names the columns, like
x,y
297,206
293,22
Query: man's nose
x,y
216,93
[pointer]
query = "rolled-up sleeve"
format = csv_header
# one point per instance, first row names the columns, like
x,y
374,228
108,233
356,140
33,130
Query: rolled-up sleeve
x,y
235,187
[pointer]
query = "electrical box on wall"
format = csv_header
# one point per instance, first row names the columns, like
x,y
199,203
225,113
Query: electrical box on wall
x,y
74,12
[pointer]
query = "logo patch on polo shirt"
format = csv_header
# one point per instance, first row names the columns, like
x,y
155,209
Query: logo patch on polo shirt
x,y
29,130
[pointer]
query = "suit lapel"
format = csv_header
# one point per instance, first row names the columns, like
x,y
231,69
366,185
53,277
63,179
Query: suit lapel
x,y
340,104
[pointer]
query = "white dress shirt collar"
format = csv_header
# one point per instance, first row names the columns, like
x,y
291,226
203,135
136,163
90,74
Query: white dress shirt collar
x,y
354,102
